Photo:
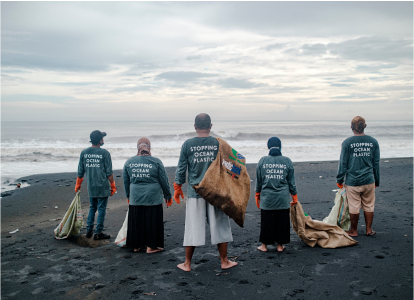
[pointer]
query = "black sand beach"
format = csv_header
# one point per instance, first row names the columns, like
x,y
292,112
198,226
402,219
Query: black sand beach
x,y
37,266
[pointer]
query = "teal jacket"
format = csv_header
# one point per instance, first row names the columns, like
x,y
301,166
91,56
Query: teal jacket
x,y
275,181
145,181
359,161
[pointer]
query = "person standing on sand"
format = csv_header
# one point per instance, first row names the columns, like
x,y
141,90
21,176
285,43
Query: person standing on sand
x,y
97,164
359,162
197,154
145,182
275,184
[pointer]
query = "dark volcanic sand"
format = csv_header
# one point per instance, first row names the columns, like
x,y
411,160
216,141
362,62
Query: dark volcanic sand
x,y
37,266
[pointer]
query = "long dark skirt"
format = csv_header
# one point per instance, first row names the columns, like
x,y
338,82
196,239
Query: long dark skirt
x,y
145,226
275,226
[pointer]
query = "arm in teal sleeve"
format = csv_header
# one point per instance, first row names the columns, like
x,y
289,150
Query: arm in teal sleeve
x,y
182,167
343,164
259,177
108,164
127,181
376,166
163,179
291,181
81,168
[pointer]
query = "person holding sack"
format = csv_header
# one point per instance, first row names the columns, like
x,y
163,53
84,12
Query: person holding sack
x,y
146,185
196,155
275,185
359,163
97,164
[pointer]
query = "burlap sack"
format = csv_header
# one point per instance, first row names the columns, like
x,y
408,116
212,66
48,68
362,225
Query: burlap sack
x,y
226,184
314,232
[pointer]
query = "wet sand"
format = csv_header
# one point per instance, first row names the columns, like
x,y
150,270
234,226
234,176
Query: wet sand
x,y
37,266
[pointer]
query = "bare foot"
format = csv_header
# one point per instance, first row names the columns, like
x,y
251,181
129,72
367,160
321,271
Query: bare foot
x,y
371,233
136,250
263,248
280,248
151,250
228,264
184,267
352,233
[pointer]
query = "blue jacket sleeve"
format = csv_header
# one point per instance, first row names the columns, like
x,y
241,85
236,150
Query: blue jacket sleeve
x,y
291,180
127,181
376,166
163,179
343,164
108,164
259,177
81,167
182,167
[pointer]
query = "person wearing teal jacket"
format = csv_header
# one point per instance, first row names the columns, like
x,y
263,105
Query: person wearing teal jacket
x,y
97,164
146,185
275,185
196,156
360,171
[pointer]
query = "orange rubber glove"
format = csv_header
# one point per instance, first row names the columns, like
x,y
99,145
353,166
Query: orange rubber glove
x,y
294,200
169,202
340,185
178,192
113,187
78,184
257,200
128,201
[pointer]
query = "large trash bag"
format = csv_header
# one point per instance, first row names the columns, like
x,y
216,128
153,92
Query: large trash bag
x,y
226,184
72,222
314,232
122,234
339,214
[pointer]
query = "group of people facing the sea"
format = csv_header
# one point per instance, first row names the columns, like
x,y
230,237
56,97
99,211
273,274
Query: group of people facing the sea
x,y
146,186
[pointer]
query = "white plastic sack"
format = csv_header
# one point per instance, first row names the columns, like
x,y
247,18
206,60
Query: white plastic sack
x,y
339,214
122,234
72,222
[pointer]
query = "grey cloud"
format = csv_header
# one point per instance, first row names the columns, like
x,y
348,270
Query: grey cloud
x,y
191,57
235,83
183,76
133,89
74,83
374,49
274,46
36,98
313,49
339,84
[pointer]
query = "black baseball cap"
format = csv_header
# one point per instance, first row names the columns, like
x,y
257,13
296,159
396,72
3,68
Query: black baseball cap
x,y
96,136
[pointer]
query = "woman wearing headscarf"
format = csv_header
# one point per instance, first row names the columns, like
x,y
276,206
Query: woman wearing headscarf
x,y
275,186
146,185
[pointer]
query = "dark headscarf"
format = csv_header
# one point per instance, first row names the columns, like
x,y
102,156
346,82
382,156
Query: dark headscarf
x,y
144,147
275,146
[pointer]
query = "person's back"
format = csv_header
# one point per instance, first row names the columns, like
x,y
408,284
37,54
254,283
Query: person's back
x,y
275,177
143,176
96,164
359,161
197,154
359,166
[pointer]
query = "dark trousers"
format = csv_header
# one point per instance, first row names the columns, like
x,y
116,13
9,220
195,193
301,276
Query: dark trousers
x,y
275,226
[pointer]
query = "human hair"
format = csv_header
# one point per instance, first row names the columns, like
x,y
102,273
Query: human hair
x,y
203,121
358,124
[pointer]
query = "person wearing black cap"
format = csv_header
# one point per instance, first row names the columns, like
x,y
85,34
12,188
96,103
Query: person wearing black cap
x,y
97,164
274,186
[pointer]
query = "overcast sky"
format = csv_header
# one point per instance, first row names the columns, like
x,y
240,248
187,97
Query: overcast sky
x,y
141,61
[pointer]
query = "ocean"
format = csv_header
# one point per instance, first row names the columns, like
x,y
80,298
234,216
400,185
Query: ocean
x,y
29,148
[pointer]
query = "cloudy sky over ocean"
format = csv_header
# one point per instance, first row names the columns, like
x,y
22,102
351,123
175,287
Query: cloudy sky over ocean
x,y
141,61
